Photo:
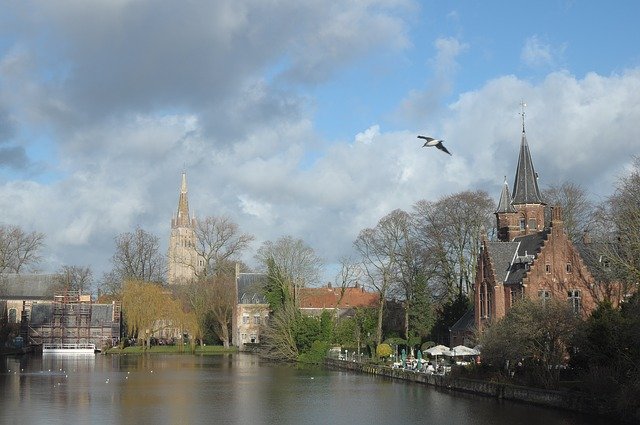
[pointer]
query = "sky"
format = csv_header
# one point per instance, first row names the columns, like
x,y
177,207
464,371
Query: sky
x,y
299,118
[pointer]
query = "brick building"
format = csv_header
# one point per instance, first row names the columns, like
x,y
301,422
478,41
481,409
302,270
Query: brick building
x,y
529,259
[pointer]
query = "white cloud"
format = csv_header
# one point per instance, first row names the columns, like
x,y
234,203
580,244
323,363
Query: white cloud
x,y
536,53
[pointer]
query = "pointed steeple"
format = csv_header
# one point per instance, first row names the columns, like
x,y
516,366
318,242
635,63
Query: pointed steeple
x,y
504,205
182,217
525,187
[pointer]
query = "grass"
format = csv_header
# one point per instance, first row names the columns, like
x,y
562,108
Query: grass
x,y
172,349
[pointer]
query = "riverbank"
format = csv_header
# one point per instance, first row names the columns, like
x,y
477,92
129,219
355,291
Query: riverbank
x,y
565,400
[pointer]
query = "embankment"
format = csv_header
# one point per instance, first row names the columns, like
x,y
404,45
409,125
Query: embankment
x,y
556,399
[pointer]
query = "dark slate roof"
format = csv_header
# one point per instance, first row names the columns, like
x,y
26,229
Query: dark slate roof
x,y
251,288
529,246
525,187
504,205
502,255
27,286
466,322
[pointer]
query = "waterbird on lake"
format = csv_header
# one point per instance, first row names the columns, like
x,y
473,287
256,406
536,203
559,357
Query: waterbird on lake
x,y
430,141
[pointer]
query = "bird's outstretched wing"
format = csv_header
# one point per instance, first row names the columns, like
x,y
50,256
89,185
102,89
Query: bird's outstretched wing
x,y
442,148
428,139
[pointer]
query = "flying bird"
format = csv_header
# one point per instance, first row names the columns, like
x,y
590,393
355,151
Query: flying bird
x,y
430,141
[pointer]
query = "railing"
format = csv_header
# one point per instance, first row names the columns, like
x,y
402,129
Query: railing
x,y
58,346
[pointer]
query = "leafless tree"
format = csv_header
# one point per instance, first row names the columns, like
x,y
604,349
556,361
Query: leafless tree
x,y
137,257
616,232
577,209
74,278
19,249
218,242
450,231
350,272
378,248
290,263
212,299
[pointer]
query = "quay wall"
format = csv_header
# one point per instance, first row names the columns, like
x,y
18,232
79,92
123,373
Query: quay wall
x,y
549,398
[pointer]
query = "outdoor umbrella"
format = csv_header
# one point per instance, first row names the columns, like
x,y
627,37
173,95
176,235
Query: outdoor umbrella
x,y
404,358
419,355
436,351
461,351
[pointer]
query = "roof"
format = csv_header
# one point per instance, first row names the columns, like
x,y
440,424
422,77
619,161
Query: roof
x,y
502,254
27,286
466,322
525,187
504,205
510,259
329,297
251,288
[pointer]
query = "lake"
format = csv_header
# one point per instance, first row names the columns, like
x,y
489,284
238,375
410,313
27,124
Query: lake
x,y
234,389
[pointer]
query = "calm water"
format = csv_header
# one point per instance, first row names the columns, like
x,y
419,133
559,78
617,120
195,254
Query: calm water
x,y
238,389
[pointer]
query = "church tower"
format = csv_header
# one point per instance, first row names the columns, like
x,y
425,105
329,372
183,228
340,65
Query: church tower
x,y
182,256
522,213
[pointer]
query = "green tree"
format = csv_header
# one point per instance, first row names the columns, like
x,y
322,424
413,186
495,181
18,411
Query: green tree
x,y
535,334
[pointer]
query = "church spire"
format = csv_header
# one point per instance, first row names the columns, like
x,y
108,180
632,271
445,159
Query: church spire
x,y
504,205
182,217
525,187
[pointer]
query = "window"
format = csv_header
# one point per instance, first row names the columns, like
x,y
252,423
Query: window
x,y
575,303
569,268
483,310
245,319
244,337
13,315
547,268
256,319
532,223
254,338
516,294
545,296
522,224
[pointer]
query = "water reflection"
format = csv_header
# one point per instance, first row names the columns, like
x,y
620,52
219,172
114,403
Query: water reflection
x,y
239,389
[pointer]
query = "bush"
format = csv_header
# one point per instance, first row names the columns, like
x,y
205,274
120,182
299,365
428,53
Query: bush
x,y
384,350
316,354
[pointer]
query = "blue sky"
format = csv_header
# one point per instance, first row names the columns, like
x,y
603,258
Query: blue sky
x,y
298,118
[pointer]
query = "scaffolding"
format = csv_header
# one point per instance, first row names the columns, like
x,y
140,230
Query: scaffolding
x,y
71,318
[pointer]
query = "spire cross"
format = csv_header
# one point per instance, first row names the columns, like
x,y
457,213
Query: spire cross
x,y
522,106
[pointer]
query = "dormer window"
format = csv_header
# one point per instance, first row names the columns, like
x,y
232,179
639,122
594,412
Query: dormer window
x,y
547,268
569,268
522,224
533,223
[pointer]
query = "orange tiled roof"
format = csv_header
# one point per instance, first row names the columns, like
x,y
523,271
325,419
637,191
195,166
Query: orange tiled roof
x,y
328,297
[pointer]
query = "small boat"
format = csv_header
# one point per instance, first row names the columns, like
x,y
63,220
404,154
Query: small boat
x,y
57,348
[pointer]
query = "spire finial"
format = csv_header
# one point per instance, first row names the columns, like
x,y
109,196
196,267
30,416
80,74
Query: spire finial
x,y
522,106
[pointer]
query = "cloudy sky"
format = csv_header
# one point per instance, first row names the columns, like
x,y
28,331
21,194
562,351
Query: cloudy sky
x,y
298,118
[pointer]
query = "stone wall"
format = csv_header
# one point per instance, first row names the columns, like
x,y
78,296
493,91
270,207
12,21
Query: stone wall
x,y
557,399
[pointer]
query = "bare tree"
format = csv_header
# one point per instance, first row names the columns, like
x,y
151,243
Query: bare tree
x,y
378,248
212,300
577,209
450,230
616,232
19,249
290,263
137,257
218,242
74,278
348,275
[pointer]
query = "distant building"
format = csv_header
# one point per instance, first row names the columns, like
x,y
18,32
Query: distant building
x,y
341,302
528,260
251,310
49,315
182,259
